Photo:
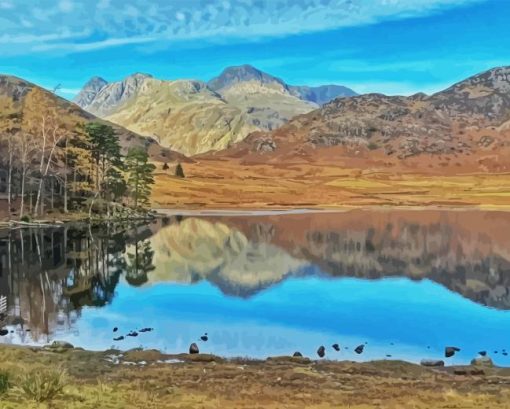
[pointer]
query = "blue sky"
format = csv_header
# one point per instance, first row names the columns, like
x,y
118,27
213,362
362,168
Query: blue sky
x,y
389,46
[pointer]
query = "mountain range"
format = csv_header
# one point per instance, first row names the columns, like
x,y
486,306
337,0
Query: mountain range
x,y
195,117
23,97
469,120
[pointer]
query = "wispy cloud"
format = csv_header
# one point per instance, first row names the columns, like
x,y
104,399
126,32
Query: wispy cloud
x,y
81,26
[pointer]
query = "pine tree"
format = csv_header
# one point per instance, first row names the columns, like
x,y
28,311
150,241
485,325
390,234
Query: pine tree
x,y
107,159
139,176
179,171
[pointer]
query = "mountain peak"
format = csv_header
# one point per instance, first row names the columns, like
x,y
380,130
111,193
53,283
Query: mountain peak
x,y
90,90
241,73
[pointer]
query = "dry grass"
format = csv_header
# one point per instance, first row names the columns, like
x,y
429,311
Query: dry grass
x,y
229,183
208,382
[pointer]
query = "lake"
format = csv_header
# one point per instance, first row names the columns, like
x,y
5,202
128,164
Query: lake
x,y
405,284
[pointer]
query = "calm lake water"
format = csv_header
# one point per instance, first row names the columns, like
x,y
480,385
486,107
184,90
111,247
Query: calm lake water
x,y
403,283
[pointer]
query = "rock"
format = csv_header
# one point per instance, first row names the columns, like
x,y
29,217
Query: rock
x,y
482,353
132,334
460,371
146,330
477,372
204,338
431,362
115,329
297,354
118,338
321,351
336,347
482,361
359,349
388,356
62,344
193,349
3,332
450,351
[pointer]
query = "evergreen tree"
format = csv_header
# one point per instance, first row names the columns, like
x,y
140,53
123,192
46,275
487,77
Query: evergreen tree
x,y
140,176
179,171
107,158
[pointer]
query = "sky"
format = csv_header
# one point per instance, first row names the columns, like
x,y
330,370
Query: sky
x,y
387,46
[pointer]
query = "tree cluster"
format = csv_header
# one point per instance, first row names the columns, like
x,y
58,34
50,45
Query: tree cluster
x,y
50,163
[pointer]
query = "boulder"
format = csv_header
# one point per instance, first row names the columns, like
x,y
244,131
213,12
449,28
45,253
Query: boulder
x,y
359,349
321,351
482,361
450,351
193,349
62,344
3,332
482,353
432,362
336,347
297,354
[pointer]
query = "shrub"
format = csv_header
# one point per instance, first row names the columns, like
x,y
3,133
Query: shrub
x,y
179,171
4,382
43,385
165,166
25,219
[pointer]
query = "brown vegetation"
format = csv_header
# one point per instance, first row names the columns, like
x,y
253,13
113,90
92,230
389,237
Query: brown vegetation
x,y
149,379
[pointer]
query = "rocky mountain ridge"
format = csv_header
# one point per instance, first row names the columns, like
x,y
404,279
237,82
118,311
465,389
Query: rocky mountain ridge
x,y
194,117
465,119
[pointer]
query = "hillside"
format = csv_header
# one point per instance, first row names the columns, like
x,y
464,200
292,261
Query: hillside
x,y
23,96
466,123
194,117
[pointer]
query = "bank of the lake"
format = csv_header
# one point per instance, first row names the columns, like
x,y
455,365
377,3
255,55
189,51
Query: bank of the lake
x,y
136,379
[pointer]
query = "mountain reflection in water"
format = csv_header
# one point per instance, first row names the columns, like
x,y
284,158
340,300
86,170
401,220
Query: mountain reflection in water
x,y
275,275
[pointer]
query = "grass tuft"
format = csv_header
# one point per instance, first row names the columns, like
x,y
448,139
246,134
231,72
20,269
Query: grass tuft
x,y
43,385
4,382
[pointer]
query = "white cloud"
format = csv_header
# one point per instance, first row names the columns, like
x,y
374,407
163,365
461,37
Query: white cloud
x,y
6,5
118,22
66,6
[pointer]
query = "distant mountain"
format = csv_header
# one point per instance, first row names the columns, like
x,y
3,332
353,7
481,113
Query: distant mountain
x,y
470,118
89,91
321,94
246,73
194,117
14,91
243,73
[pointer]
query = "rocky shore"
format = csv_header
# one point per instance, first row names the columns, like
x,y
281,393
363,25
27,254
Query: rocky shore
x,y
148,378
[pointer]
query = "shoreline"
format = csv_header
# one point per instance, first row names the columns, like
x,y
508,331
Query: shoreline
x,y
132,378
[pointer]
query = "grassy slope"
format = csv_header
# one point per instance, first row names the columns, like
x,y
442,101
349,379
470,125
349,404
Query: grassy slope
x,y
208,382
229,183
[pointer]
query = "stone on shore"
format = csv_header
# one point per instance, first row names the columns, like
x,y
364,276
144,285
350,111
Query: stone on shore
x,y
432,362
359,349
482,361
193,349
321,351
450,351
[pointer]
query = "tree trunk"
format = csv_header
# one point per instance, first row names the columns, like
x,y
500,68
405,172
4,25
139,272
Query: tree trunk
x,y
23,175
9,183
65,182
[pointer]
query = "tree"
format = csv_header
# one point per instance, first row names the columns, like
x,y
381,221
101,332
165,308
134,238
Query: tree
x,y
9,126
44,121
78,160
107,158
140,176
179,171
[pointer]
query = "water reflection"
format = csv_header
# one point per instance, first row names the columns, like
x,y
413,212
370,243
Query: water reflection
x,y
265,285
